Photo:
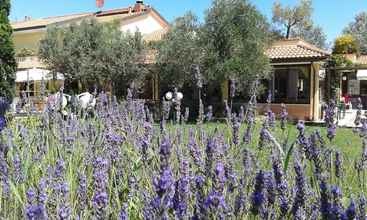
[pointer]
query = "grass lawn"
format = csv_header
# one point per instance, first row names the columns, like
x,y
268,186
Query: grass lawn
x,y
39,149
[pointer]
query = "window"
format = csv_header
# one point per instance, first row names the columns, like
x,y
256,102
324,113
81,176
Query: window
x,y
363,87
27,88
291,85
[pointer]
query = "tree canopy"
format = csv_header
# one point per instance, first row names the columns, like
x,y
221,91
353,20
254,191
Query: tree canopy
x,y
94,54
358,29
179,51
297,22
230,44
8,64
345,44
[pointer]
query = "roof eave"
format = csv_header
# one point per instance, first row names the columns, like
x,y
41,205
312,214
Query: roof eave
x,y
38,27
297,59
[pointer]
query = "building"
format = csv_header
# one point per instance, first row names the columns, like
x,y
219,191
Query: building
x,y
296,80
353,81
28,33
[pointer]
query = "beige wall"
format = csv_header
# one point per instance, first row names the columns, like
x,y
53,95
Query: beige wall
x,y
29,40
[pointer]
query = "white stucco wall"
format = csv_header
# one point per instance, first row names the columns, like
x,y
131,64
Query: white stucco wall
x,y
145,26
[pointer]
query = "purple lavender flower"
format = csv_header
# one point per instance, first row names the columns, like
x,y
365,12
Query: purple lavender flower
x,y
361,207
270,117
199,209
301,128
235,130
42,197
240,199
331,131
162,125
64,212
100,197
283,116
18,171
281,187
231,177
258,196
60,168
300,189
215,201
338,164
228,111
264,136
357,120
209,114
177,105
103,98
164,184
219,177
337,209
114,138
100,201
164,187
248,135
2,123
165,152
82,191
145,140
34,209
210,154
123,213
31,209
351,211
329,120
4,172
325,206
129,95
182,193
250,121
4,106
269,98
270,188
194,150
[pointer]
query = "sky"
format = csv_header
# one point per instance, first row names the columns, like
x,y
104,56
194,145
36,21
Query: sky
x,y
331,15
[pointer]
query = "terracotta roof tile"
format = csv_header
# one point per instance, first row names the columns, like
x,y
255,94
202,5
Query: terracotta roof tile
x,y
293,49
37,23
42,22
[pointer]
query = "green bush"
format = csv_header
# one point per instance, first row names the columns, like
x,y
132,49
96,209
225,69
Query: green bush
x,y
8,64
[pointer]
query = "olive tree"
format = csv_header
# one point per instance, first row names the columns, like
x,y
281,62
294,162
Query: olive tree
x,y
92,54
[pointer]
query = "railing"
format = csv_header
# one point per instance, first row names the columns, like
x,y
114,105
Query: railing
x,y
28,62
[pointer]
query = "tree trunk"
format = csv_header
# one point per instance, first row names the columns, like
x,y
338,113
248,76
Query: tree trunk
x,y
288,32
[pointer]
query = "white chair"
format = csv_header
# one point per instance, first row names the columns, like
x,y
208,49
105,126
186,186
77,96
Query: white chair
x,y
86,100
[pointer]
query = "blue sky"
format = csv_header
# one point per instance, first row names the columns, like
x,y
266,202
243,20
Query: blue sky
x,y
332,15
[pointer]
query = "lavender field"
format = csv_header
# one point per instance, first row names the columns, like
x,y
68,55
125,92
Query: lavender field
x,y
118,164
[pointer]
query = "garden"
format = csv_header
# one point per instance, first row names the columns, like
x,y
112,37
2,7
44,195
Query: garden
x,y
115,162
118,156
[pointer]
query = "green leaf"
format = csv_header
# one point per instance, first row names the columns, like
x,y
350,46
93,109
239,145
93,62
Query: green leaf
x,y
288,157
15,192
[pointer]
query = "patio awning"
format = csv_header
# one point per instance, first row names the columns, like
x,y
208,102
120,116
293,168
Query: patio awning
x,y
362,74
36,74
